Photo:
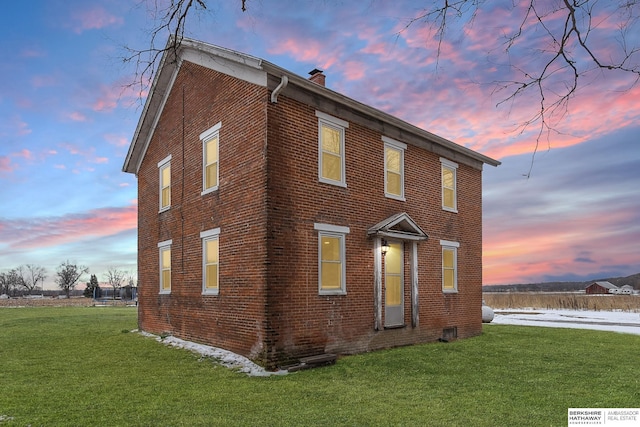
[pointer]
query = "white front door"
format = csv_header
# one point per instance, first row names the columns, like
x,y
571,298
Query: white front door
x,y
394,285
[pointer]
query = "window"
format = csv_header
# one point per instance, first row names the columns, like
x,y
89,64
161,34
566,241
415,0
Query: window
x,y
331,167
394,168
210,261
331,259
164,167
449,202
165,266
210,150
449,266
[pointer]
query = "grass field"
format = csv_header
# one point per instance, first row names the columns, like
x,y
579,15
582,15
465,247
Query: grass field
x,y
562,301
80,366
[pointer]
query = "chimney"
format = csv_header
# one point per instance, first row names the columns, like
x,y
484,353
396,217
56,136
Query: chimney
x,y
317,77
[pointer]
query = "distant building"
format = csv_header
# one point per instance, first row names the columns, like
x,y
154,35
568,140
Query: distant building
x,y
626,290
602,288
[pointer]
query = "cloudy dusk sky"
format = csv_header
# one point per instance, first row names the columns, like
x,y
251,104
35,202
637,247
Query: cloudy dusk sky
x,y
67,118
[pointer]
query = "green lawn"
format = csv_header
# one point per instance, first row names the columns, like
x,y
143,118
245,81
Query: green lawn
x,y
80,367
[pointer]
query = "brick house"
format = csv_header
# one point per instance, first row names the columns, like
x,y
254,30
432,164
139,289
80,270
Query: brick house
x,y
279,219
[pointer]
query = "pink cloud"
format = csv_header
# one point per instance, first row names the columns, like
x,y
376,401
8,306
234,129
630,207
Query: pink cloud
x,y
51,231
22,101
107,102
88,155
24,153
117,140
32,53
20,127
72,149
13,161
377,48
122,90
43,81
77,116
538,246
307,50
354,70
93,19
6,167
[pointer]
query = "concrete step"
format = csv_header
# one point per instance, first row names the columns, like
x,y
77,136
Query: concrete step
x,y
314,362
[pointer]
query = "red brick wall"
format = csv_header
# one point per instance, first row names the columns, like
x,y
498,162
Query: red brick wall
x,y
235,318
307,323
268,201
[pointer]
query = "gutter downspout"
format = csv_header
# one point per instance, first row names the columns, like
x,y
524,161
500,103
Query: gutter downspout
x,y
283,83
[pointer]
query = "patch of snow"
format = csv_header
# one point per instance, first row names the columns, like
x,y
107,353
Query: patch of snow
x,y
223,357
615,321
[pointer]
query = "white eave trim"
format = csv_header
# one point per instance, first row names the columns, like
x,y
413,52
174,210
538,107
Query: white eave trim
x,y
227,61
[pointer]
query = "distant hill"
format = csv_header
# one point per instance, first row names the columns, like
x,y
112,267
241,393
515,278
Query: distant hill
x,y
633,280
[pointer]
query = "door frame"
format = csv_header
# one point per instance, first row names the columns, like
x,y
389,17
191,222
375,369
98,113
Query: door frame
x,y
378,282
394,315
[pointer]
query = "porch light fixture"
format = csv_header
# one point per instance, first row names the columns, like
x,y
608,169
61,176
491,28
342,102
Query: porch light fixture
x,y
385,247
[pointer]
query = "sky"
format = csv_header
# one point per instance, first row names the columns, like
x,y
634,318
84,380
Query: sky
x,y
562,207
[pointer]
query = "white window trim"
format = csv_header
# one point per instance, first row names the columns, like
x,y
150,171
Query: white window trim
x,y
453,166
161,247
341,125
161,165
206,136
331,228
332,231
213,234
400,146
447,244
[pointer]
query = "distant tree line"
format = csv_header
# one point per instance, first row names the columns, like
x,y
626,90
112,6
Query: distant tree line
x,y
633,281
22,279
29,278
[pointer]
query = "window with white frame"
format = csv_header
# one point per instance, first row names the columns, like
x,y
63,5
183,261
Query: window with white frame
x,y
210,159
331,159
210,261
164,249
449,183
164,167
394,168
449,265
331,259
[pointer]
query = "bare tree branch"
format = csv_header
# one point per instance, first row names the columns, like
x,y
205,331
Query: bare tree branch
x,y
115,278
568,52
569,47
437,18
171,24
32,275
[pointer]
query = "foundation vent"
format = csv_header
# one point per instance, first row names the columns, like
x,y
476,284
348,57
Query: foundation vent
x,y
449,334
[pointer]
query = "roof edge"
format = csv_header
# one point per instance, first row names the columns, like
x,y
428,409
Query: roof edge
x,y
162,83
172,57
315,88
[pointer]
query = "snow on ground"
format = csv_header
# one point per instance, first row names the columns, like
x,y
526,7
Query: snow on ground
x,y
224,357
615,321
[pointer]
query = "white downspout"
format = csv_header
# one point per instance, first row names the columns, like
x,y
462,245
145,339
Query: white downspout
x,y
279,88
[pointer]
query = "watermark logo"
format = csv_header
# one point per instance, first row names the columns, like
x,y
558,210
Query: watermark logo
x,y
615,417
